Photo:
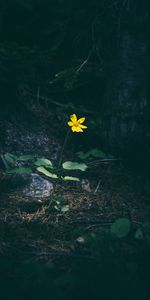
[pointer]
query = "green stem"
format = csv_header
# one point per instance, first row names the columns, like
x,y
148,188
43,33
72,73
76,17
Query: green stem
x,y
63,147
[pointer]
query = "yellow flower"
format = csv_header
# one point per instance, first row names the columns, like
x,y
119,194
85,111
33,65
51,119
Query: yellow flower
x,y
76,124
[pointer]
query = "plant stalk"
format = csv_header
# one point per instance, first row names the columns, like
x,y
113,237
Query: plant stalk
x,y
63,147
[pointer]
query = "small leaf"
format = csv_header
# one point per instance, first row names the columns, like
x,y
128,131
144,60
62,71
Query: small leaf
x,y
47,173
70,178
97,153
44,162
59,199
57,202
69,165
20,170
10,158
83,155
56,207
121,227
65,208
80,239
139,234
26,157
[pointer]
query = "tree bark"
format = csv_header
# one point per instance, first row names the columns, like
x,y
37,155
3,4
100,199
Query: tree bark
x,y
127,108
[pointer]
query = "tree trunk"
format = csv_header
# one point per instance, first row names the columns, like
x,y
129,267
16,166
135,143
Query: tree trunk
x,y
127,108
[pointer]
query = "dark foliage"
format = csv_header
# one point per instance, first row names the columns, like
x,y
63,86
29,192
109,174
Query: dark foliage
x,y
94,53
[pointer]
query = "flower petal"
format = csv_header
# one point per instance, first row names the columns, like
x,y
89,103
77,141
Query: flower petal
x,y
81,120
83,126
74,128
73,118
78,129
70,123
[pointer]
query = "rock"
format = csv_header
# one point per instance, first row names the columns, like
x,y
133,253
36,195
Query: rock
x,y
38,187
23,134
32,185
85,184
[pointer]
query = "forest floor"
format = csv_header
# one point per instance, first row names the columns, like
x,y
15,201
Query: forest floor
x,y
62,247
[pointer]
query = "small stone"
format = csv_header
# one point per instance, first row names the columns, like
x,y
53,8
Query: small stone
x,y
86,185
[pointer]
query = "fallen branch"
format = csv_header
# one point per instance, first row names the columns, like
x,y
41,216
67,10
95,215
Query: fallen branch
x,y
103,160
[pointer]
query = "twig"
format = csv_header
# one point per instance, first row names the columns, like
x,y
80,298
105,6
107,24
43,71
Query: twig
x,y
49,100
52,254
98,185
85,62
45,253
104,160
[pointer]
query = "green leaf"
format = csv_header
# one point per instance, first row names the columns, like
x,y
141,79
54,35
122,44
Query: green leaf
x,y
83,155
47,173
69,165
10,158
139,234
56,207
65,208
43,162
59,199
121,227
93,152
19,170
97,153
26,157
70,178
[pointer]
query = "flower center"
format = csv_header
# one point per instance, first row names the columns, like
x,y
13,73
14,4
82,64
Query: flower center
x,y
76,124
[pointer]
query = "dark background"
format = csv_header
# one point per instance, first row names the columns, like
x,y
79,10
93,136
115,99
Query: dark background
x,y
90,53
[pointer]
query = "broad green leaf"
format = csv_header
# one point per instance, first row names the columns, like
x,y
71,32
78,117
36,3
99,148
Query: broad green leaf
x,y
19,170
26,157
121,227
70,178
10,158
43,162
69,165
46,172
